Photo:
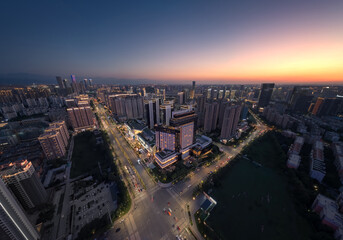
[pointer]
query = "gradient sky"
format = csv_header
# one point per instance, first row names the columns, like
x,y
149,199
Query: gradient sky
x,y
242,40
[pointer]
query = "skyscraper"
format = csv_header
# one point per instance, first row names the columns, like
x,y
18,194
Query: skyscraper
x,y
175,140
301,99
211,116
317,105
265,94
60,82
152,112
186,123
192,93
328,106
14,225
21,178
230,121
166,114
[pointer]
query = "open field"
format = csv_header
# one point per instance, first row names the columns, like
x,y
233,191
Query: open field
x,y
87,155
253,201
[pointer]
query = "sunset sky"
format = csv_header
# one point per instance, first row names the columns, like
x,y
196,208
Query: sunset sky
x,y
238,41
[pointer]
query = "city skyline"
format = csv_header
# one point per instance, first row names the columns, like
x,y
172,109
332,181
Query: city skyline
x,y
224,42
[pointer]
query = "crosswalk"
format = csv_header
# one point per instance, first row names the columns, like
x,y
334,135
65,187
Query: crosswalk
x,y
145,194
176,196
132,229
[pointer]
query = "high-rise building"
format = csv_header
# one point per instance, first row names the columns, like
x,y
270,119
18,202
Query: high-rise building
x,y
54,140
327,106
126,106
14,225
52,144
181,97
66,83
200,109
186,123
175,140
21,178
166,114
60,82
74,84
211,116
60,127
152,112
317,105
301,99
230,121
81,117
265,94
164,94
192,93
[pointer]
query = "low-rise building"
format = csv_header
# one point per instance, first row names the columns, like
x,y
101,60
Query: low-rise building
x,y
147,139
328,211
317,169
337,149
293,161
165,158
295,148
94,202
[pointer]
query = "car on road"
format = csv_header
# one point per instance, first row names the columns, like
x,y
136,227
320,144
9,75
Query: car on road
x,y
117,230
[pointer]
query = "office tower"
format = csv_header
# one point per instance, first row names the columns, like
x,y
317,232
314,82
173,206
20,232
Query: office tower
x,y
66,83
175,140
73,78
14,225
209,93
60,82
180,97
166,114
90,82
265,94
152,112
317,105
21,178
230,121
327,106
126,106
85,83
166,138
211,116
244,112
164,94
74,84
186,123
192,92
81,117
301,99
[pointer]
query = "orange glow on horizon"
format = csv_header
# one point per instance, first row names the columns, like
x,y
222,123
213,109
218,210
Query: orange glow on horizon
x,y
292,56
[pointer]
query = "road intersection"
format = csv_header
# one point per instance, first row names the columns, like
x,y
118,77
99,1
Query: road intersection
x,y
147,219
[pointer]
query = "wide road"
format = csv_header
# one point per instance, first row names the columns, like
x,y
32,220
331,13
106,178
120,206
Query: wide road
x,y
147,219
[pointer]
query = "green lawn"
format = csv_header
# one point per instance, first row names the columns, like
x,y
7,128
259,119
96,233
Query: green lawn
x,y
87,154
253,202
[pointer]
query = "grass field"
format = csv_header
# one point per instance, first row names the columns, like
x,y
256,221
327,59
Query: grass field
x,y
87,154
253,201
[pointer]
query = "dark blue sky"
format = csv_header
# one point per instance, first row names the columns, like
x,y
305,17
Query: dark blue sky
x,y
157,39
